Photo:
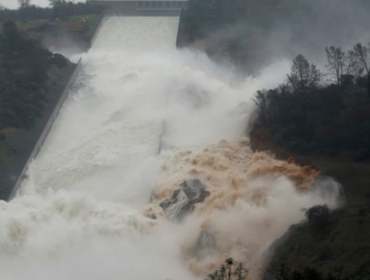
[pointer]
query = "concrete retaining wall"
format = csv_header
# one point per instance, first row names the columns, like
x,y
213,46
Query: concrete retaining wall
x,y
93,39
45,131
181,38
53,117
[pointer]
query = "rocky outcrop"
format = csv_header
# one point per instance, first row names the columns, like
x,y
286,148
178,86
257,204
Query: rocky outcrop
x,y
183,200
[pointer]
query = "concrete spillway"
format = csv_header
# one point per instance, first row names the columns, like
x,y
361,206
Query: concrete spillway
x,y
83,212
113,117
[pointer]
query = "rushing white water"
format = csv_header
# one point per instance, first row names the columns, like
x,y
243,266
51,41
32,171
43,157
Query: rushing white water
x,y
137,121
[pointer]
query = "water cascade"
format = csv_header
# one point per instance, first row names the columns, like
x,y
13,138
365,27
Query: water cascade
x,y
147,172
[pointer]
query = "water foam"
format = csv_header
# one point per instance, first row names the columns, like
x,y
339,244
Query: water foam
x,y
142,118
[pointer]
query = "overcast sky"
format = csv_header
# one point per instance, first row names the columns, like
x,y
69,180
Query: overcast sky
x,y
13,4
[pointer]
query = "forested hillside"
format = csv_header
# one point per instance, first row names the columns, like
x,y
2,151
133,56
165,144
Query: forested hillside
x,y
310,116
323,118
22,94
66,25
318,115
314,110
59,10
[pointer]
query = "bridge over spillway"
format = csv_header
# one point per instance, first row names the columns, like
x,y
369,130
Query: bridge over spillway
x,y
144,7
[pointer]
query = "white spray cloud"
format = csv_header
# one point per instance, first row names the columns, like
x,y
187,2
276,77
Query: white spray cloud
x,y
67,236
80,213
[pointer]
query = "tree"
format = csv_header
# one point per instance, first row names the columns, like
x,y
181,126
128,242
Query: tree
x,y
261,102
361,55
56,3
2,8
24,3
304,76
60,9
228,271
339,64
304,79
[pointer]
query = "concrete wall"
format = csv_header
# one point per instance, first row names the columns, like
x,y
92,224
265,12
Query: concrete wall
x,y
93,39
181,34
45,131
52,118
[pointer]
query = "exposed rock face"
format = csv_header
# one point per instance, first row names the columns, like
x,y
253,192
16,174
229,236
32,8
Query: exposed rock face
x,y
182,201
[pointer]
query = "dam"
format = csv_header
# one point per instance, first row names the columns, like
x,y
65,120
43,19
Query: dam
x,y
90,206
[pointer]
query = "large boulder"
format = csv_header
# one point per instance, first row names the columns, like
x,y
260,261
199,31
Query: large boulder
x,y
183,200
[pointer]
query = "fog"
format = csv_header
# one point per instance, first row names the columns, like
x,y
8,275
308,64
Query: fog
x,y
269,33
333,22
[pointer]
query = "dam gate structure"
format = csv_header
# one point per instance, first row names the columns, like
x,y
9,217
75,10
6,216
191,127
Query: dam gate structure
x,y
143,7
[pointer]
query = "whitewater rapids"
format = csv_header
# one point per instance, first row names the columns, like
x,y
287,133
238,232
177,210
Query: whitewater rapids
x,y
142,118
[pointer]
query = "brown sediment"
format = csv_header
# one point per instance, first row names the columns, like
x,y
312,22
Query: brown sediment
x,y
240,181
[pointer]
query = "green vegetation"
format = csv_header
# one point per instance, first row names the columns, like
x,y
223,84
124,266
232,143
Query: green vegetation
x,y
308,273
342,245
79,28
318,216
24,88
310,117
342,248
77,20
318,118
231,270
59,10
329,127
22,96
